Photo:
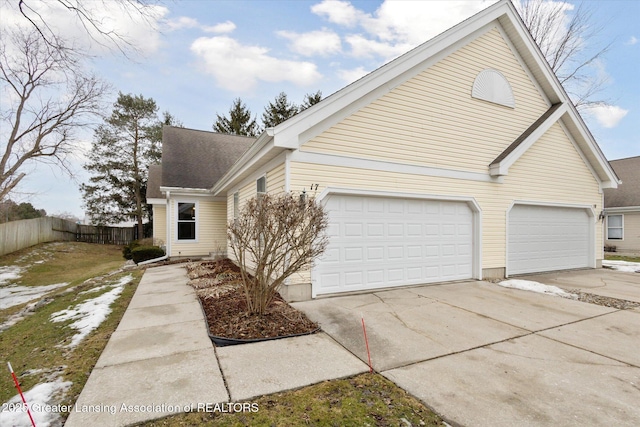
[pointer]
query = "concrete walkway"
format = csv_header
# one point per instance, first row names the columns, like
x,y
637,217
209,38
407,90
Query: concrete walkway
x,y
160,360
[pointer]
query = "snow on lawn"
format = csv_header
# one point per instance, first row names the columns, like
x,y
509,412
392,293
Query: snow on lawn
x,y
88,315
38,398
529,285
14,294
630,267
9,273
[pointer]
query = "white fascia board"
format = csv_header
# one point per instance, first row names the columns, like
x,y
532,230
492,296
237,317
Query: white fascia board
x,y
247,165
622,209
502,168
183,190
295,131
154,201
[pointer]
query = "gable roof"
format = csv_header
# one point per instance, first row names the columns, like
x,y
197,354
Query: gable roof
x,y
153,182
628,193
195,159
306,125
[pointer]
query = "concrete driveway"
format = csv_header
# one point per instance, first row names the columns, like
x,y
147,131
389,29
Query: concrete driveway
x,y
483,355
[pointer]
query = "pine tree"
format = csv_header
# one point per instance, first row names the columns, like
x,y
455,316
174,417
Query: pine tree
x,y
239,121
278,111
122,150
310,99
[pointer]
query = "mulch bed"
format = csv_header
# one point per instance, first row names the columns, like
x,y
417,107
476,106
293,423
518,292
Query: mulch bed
x,y
218,286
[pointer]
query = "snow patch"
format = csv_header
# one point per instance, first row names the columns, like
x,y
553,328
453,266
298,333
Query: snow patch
x,y
15,295
9,273
40,395
626,266
529,285
88,315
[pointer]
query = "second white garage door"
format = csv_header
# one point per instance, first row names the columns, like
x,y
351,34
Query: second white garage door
x,y
380,242
547,238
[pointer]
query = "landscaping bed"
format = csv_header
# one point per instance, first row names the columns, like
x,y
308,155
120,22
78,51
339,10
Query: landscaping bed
x,y
218,285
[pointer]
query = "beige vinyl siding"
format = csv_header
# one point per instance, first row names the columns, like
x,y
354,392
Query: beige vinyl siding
x,y
631,233
160,224
431,119
275,180
551,171
211,222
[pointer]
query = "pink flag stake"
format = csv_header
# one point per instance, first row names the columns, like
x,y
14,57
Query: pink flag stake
x,y
15,380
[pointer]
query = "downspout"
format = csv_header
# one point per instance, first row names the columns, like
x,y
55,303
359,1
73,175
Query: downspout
x,y
151,261
168,225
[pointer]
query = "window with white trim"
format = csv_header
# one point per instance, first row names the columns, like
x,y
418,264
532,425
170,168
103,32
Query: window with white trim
x,y
615,227
186,221
261,185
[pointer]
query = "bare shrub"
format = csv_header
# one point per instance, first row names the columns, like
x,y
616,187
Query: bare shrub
x,y
273,237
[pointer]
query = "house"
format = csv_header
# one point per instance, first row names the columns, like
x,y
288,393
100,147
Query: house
x,y
461,159
622,207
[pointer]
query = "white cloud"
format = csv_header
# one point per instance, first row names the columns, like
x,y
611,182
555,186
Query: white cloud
x,y
338,12
632,40
608,116
182,22
238,67
222,28
133,25
322,42
350,76
396,26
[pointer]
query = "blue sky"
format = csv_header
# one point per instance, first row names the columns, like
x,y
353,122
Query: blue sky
x,y
198,56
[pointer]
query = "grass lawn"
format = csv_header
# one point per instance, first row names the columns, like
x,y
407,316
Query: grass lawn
x,y
364,400
621,258
36,346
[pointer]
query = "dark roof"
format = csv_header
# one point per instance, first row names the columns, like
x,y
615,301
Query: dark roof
x,y
627,193
198,159
153,184
526,133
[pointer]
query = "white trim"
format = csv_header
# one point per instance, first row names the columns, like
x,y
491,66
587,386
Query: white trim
x,y
287,172
186,190
279,159
386,166
621,215
590,209
155,201
168,236
622,209
470,201
502,167
196,203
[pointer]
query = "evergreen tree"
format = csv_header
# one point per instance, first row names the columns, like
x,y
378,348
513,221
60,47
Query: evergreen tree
x,y
239,121
310,99
122,150
278,111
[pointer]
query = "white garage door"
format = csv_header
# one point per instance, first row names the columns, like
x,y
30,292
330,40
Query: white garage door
x,y
543,238
380,242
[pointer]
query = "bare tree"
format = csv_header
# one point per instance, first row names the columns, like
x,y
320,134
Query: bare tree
x,y
46,97
566,40
95,27
274,237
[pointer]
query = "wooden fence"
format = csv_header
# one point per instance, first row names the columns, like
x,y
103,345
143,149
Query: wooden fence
x,y
16,235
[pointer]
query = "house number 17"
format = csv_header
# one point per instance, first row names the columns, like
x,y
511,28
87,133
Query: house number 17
x,y
313,187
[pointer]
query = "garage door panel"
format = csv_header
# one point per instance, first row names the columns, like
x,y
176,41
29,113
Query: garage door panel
x,y
546,238
394,242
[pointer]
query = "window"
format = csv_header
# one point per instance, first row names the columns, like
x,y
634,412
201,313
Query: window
x,y
261,185
236,205
186,221
615,227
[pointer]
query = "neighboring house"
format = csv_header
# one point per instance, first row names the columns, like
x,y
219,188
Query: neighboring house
x,y
462,159
622,207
